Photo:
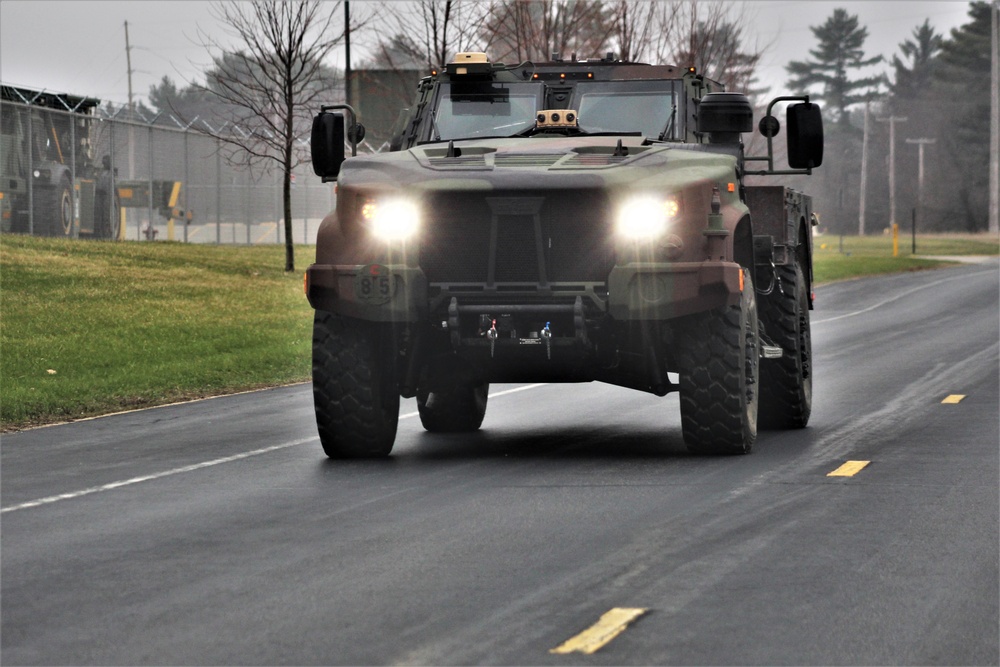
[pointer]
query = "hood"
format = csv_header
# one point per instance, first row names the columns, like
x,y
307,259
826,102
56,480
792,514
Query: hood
x,y
538,162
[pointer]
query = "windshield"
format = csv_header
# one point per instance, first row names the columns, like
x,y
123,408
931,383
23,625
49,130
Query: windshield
x,y
484,109
627,106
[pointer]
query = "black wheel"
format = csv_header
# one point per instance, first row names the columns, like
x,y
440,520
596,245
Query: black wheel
x,y
56,210
718,364
786,383
355,386
107,220
460,408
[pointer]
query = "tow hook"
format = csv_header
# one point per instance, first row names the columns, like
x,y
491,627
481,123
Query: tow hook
x,y
491,335
547,337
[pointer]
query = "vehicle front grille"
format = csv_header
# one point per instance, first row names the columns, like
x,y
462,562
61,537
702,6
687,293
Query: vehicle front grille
x,y
522,237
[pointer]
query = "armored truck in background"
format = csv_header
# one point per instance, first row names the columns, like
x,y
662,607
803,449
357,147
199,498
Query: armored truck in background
x,y
567,221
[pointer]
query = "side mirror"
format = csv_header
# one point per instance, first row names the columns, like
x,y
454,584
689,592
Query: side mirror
x,y
327,144
805,136
356,134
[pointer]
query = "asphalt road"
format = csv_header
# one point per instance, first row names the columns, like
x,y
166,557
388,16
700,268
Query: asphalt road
x,y
215,532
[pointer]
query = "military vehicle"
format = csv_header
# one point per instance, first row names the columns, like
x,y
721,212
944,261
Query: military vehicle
x,y
566,221
50,184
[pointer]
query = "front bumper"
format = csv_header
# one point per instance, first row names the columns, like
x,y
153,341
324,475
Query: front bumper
x,y
659,291
636,291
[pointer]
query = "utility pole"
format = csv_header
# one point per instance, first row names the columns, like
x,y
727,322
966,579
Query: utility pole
x,y
995,120
892,120
864,175
131,107
921,142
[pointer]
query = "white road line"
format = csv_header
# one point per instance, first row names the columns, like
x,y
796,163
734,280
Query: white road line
x,y
499,393
897,297
146,478
198,466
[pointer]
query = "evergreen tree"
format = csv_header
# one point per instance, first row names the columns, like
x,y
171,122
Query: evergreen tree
x,y
188,104
913,81
840,52
962,84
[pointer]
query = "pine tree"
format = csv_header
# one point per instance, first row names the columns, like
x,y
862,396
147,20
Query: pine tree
x,y
962,84
913,81
840,52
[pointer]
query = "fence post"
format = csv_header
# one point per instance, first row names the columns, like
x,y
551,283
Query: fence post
x,y
113,177
31,177
74,187
187,186
149,165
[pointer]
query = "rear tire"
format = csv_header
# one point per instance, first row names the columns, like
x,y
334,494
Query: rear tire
x,y
355,387
718,359
786,383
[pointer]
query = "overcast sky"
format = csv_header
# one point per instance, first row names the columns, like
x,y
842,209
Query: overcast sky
x,y
79,46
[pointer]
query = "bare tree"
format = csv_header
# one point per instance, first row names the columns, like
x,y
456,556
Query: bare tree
x,y
272,82
515,31
710,36
636,28
427,33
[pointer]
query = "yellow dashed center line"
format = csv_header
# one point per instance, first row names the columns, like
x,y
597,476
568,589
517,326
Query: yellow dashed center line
x,y
610,625
849,469
954,398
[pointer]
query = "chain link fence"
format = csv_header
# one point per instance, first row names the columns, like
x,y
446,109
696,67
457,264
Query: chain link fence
x,y
71,168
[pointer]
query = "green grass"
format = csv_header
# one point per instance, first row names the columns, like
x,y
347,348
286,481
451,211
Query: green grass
x,y
842,258
88,328
126,325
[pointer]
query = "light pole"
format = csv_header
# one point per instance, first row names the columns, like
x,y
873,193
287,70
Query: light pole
x,y
995,119
921,142
864,175
892,120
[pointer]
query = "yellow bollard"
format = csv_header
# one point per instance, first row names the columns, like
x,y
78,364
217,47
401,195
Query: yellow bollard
x,y
895,239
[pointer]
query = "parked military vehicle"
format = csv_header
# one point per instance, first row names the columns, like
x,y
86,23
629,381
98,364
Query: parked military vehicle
x,y
563,222
49,182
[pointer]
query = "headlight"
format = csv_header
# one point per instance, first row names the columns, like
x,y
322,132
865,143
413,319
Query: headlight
x,y
391,219
646,217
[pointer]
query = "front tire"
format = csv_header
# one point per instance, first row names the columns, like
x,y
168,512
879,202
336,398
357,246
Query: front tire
x,y
718,361
355,386
58,210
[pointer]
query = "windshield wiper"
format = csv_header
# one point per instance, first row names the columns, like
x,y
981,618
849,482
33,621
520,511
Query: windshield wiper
x,y
612,133
669,129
